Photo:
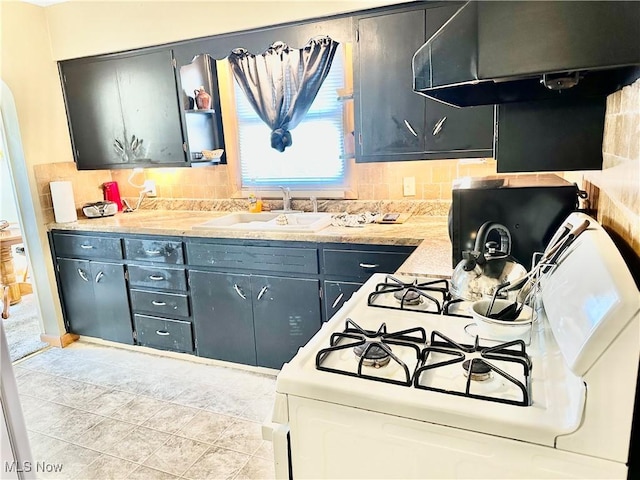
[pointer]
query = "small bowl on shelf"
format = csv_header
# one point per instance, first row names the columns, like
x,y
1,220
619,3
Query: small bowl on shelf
x,y
212,155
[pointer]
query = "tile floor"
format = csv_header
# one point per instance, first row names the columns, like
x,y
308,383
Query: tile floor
x,y
105,412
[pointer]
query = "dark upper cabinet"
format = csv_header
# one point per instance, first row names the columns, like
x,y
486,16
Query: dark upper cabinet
x,y
123,110
393,122
203,125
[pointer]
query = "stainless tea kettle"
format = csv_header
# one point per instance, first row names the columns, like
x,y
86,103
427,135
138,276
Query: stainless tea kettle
x,y
486,266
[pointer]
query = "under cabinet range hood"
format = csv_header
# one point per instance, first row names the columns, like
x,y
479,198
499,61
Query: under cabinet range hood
x,y
494,52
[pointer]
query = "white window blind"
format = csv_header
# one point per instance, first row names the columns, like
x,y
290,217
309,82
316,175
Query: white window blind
x,y
315,160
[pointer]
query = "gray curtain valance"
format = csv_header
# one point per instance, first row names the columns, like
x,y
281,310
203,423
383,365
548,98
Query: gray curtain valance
x,y
282,83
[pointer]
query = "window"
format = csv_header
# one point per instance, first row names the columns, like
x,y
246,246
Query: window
x,y
315,161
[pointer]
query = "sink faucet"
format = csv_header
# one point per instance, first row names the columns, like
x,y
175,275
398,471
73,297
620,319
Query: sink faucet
x,y
286,198
314,203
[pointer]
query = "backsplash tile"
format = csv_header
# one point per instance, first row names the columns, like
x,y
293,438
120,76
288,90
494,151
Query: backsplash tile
x,y
204,187
615,190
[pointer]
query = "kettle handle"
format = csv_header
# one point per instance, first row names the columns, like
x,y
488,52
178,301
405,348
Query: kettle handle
x,y
483,233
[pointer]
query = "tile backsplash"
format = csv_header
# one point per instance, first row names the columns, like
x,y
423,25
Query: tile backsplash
x,y
190,186
615,190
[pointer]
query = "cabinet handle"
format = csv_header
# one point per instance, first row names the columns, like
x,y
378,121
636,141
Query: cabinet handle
x,y
163,333
152,252
86,247
239,291
438,126
410,128
337,300
263,290
99,276
156,277
158,304
369,265
83,275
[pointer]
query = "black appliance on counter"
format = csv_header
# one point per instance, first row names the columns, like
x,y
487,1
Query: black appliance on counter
x,y
532,207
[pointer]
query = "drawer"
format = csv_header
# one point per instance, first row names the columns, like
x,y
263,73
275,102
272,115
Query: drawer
x,y
272,259
157,277
164,333
360,264
164,251
158,303
70,245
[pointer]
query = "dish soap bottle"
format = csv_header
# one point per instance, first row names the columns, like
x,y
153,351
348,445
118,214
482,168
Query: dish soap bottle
x,y
255,204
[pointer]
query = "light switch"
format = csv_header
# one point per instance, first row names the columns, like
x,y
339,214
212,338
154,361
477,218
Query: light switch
x,y
409,186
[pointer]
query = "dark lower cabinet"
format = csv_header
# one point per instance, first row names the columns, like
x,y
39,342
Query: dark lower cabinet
x,y
164,333
223,316
286,314
95,299
335,294
255,320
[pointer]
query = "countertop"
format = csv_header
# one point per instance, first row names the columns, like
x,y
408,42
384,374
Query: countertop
x,y
432,256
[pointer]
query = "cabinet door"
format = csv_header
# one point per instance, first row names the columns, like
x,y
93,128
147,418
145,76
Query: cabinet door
x,y
93,111
150,107
391,115
465,131
223,316
76,289
111,307
335,294
123,111
286,314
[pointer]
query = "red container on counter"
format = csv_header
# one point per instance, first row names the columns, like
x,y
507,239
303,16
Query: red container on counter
x,y
112,193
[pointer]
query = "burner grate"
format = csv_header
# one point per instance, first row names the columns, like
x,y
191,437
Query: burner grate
x,y
355,337
411,296
457,353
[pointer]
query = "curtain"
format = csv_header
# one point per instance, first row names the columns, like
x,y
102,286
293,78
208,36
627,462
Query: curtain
x,y
282,83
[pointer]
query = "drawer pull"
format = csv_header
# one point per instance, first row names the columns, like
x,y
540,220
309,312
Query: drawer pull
x,y
156,277
239,291
162,333
83,275
99,276
86,247
337,300
152,252
369,265
263,290
158,304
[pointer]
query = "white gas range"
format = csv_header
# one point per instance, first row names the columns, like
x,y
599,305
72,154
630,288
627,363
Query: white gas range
x,y
388,393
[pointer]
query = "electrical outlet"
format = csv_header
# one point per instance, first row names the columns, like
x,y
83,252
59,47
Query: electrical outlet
x,y
409,186
150,188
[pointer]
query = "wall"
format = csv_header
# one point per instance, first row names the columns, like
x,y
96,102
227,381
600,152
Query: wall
x,y
89,28
32,76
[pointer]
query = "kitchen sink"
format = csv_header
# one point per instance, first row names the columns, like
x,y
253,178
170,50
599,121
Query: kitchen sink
x,y
269,222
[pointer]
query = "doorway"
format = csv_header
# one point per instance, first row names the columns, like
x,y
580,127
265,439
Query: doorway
x,y
20,244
